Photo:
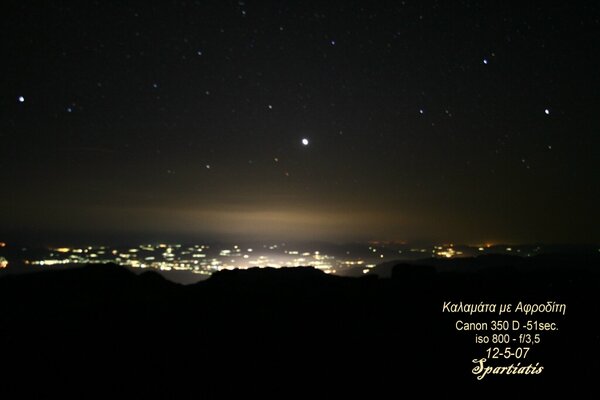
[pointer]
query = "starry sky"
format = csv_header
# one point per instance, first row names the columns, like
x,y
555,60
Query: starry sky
x,y
455,121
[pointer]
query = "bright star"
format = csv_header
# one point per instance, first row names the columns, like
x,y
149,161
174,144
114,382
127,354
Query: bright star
x,y
21,99
547,111
305,142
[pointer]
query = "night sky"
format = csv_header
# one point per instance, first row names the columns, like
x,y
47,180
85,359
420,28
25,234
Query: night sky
x,y
451,121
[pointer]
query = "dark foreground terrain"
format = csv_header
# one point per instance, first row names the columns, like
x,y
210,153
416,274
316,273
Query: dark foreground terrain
x,y
104,331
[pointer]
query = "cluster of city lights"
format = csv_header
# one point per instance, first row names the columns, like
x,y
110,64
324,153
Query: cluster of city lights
x,y
198,259
204,259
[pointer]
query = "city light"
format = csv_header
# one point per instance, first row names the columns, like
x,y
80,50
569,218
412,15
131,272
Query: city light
x,y
203,259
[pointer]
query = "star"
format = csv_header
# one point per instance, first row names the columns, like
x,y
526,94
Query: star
x,y
270,107
21,99
485,61
547,111
305,142
207,166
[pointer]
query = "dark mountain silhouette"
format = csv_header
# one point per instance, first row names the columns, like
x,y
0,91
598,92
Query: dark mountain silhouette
x,y
293,330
